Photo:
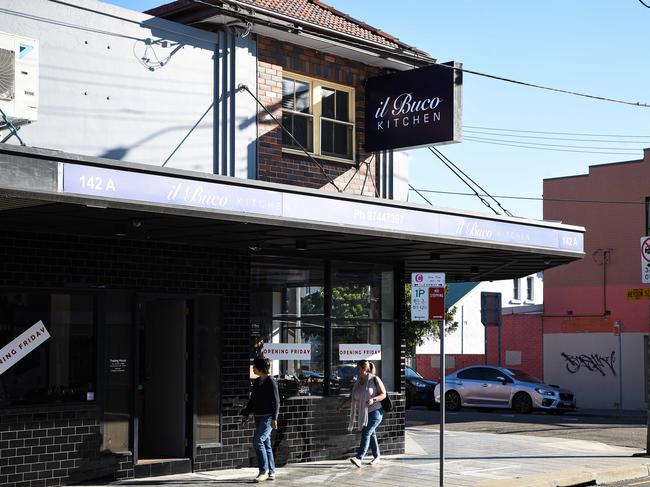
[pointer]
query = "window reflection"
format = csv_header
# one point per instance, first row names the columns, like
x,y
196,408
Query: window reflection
x,y
288,307
63,368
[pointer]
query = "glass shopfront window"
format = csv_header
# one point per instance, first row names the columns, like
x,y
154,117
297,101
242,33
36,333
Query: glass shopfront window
x,y
62,369
289,306
362,314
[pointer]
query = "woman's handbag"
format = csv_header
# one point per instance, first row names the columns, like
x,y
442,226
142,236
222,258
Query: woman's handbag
x,y
387,404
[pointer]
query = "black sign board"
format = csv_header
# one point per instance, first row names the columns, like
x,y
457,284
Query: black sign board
x,y
491,309
415,108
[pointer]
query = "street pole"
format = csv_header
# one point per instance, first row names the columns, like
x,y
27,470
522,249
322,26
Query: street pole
x,y
499,346
442,404
620,364
647,385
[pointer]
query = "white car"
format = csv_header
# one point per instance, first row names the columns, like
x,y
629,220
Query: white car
x,y
500,387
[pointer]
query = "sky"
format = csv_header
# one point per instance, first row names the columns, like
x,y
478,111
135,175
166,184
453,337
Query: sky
x,y
596,47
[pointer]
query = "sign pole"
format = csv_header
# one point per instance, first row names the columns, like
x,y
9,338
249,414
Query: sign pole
x,y
647,385
442,403
428,303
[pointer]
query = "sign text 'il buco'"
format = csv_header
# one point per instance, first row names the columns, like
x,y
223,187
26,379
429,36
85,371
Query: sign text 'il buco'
x,y
415,108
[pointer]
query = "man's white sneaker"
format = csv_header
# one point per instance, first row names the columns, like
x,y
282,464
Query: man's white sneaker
x,y
356,462
374,461
271,476
261,477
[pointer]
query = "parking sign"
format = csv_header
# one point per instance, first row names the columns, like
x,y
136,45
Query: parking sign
x,y
425,304
645,260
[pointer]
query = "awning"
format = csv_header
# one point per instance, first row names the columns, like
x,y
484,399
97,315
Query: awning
x,y
49,191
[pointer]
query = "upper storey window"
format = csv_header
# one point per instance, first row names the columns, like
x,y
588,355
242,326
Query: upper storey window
x,y
319,115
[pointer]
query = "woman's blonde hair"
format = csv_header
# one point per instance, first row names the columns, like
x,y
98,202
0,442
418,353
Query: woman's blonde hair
x,y
366,364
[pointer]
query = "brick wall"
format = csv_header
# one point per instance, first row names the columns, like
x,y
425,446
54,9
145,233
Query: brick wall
x,y
523,334
427,364
54,445
56,262
65,440
273,59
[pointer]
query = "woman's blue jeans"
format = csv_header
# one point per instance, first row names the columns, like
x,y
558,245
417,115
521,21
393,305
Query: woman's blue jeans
x,y
368,436
262,443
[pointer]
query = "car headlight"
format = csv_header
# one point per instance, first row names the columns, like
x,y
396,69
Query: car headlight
x,y
544,392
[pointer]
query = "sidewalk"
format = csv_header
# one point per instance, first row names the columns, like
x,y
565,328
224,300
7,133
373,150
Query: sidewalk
x,y
472,459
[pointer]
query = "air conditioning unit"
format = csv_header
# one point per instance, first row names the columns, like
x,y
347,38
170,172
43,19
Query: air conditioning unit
x,y
18,78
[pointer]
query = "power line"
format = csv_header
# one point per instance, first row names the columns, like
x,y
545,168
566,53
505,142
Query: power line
x,y
386,50
553,133
604,141
644,4
546,148
531,198
473,137
464,178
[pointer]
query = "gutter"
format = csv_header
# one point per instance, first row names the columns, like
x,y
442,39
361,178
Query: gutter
x,y
289,24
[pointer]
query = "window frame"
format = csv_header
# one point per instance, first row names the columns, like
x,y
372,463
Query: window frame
x,y
530,288
516,290
316,106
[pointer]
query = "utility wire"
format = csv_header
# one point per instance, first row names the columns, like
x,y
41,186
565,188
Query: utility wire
x,y
448,162
130,21
358,44
540,137
243,87
188,134
420,194
644,4
553,133
474,137
530,198
523,146
484,201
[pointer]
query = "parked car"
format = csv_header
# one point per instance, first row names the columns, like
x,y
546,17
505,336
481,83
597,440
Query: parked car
x,y
500,387
419,391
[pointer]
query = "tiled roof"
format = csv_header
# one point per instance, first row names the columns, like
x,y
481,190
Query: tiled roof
x,y
316,13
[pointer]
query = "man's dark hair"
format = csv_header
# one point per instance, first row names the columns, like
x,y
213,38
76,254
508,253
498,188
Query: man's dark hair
x,y
262,364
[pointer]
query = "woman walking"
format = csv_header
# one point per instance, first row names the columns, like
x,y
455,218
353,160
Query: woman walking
x,y
366,396
265,405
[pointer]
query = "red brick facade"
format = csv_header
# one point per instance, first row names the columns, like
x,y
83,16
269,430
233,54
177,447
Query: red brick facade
x,y
359,177
519,333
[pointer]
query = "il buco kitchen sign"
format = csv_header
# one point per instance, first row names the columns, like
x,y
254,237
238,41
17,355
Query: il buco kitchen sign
x,y
415,108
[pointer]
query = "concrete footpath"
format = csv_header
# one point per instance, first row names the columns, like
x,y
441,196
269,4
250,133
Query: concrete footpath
x,y
472,459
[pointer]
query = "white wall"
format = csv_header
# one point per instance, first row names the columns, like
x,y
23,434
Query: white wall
x,y
96,98
469,338
584,368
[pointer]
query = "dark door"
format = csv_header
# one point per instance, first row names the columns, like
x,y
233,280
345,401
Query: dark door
x,y
162,388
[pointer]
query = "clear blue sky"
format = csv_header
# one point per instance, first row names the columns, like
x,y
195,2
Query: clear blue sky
x,y
598,47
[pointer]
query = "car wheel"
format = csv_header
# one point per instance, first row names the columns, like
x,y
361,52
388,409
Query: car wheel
x,y
522,403
452,401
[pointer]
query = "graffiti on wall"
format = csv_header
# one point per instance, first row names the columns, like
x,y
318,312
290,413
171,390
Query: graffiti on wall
x,y
593,362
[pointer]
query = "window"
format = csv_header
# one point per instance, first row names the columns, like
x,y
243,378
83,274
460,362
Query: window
x,y
516,292
530,288
288,306
320,116
473,373
62,369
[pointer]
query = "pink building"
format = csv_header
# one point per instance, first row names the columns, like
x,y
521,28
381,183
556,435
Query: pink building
x,y
586,300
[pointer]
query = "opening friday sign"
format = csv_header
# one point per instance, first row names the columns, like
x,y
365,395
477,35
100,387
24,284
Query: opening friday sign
x,y
23,344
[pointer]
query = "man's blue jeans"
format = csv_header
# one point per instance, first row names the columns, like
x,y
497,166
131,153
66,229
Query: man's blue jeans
x,y
262,443
368,436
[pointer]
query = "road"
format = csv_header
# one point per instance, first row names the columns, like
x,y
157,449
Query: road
x,y
626,429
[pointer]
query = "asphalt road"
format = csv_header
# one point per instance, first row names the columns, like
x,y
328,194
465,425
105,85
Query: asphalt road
x,y
625,429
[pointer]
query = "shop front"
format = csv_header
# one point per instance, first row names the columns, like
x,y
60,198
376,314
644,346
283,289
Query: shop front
x,y
157,287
